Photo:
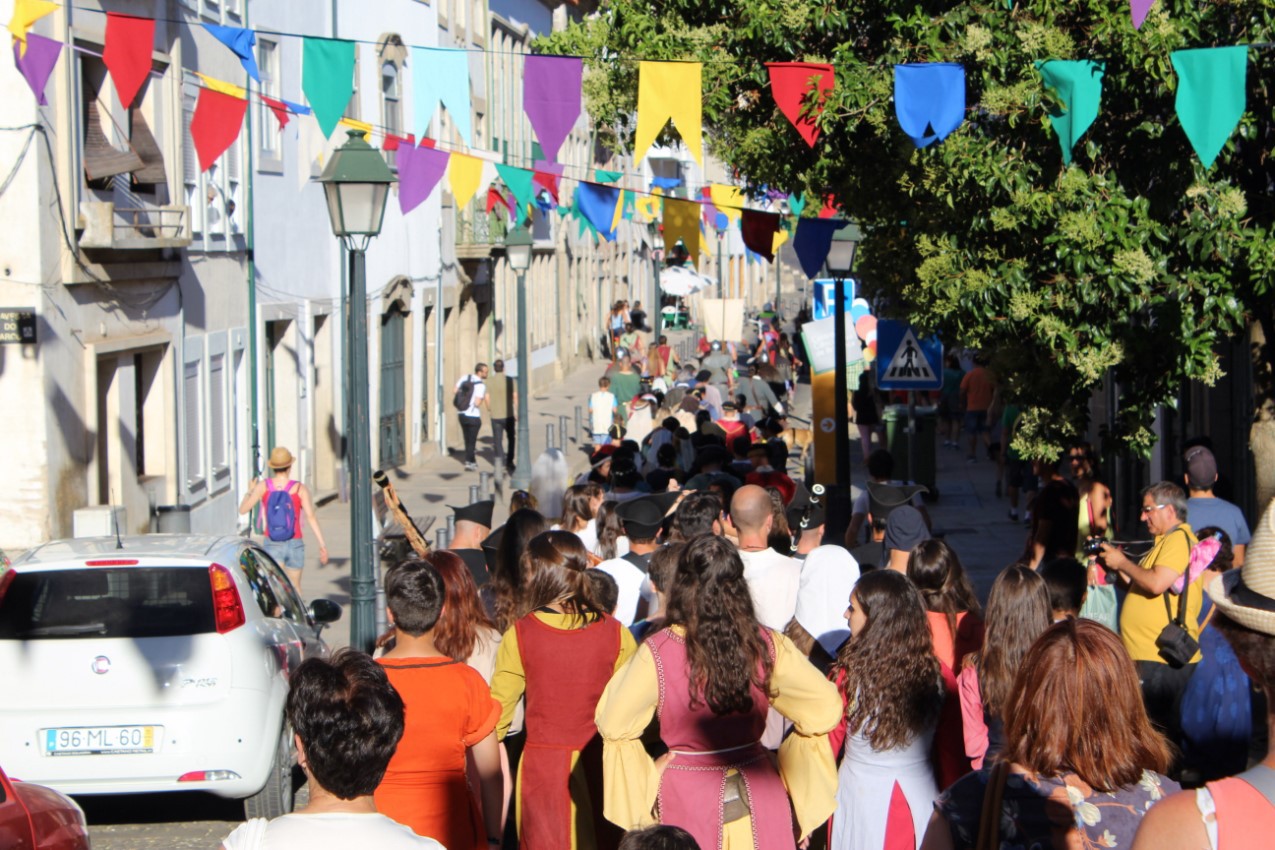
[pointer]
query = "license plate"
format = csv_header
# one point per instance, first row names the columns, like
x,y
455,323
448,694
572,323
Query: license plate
x,y
100,740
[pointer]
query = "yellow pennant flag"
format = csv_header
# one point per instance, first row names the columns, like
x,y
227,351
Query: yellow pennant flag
x,y
363,126
464,173
648,206
669,90
222,86
25,14
781,236
619,210
729,201
681,221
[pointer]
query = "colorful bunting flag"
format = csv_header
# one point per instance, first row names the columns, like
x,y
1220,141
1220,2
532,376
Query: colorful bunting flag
x,y
327,78
25,14
241,42
222,86
665,182
929,100
551,89
759,229
669,90
598,203
791,82
442,74
648,207
729,201
37,62
127,55
813,241
464,175
419,170
547,175
362,126
393,142
279,108
604,176
496,198
681,224
796,204
519,181
218,118
1138,10
1211,96
296,108
1079,87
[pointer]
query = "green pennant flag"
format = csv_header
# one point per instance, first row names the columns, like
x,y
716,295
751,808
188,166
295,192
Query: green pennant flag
x,y
797,203
607,176
1078,84
519,182
327,78
1211,96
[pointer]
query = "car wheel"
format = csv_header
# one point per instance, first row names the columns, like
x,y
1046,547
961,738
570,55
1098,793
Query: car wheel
x,y
275,798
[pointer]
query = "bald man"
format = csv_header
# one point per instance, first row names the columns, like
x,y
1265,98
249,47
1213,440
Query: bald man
x,y
772,578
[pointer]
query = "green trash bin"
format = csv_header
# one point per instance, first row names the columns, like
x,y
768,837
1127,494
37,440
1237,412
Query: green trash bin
x,y
922,466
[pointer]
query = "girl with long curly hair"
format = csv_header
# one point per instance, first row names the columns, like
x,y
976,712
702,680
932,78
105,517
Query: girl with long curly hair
x,y
1018,610
559,654
500,595
712,674
956,630
890,681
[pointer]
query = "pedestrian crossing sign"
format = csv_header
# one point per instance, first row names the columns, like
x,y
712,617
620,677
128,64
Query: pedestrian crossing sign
x,y
906,361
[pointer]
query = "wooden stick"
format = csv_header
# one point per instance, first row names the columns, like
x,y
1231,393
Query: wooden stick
x,y
413,534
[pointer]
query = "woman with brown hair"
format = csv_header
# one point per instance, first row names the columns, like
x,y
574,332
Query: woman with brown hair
x,y
464,630
560,653
579,505
1082,763
1018,610
501,594
712,674
892,689
957,630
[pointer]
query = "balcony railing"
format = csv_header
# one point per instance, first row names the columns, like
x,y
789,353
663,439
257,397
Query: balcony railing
x,y
133,228
478,231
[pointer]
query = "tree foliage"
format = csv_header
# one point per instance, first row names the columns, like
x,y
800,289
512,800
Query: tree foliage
x,y
1131,265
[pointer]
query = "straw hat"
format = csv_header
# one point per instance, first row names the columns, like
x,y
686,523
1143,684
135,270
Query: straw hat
x,y
280,458
1247,595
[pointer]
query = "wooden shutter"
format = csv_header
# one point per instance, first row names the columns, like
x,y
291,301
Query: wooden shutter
x,y
101,158
143,142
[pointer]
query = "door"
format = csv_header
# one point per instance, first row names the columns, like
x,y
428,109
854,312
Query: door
x,y
393,386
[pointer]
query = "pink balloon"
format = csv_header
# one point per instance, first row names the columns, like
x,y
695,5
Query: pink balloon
x,y
872,346
865,325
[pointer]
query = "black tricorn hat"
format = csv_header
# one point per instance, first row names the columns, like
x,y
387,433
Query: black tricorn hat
x,y
642,517
883,498
479,512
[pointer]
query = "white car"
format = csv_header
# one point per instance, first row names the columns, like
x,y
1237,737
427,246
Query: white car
x,y
153,663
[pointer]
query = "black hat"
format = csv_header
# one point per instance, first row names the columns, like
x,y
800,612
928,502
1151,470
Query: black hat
x,y
905,529
703,376
884,498
491,545
642,517
803,506
478,512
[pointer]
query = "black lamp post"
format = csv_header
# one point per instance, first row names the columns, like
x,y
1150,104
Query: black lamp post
x,y
840,264
357,183
518,251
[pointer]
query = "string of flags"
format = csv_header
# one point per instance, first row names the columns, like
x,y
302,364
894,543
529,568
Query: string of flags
x,y
929,99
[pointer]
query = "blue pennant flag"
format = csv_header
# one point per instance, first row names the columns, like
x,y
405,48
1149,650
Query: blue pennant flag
x,y
929,100
597,204
813,241
665,182
241,42
296,108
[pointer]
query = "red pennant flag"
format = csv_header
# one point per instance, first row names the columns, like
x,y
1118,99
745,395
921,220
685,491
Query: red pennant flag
x,y
548,182
392,142
790,82
759,229
218,119
830,207
129,43
495,196
280,110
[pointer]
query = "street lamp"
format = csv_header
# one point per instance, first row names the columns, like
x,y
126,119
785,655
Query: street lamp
x,y
357,184
518,251
657,252
840,262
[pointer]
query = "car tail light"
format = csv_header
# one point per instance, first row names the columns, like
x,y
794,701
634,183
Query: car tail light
x,y
112,562
208,776
227,606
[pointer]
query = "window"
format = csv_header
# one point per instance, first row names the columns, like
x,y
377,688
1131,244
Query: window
x,y
191,179
194,431
218,455
269,133
391,105
259,581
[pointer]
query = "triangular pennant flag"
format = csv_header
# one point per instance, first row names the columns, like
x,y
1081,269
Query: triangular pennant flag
x,y
1138,11
296,108
222,86
759,230
279,108
829,208
781,236
551,88
362,126
393,142
929,100
681,224
790,82
546,180
707,209
496,198
624,199
1211,96
419,170
36,64
519,181
1079,87
25,14
127,55
812,242
648,207
597,203
604,176
729,201
796,204
442,75
669,90
241,42
327,78
464,174
218,118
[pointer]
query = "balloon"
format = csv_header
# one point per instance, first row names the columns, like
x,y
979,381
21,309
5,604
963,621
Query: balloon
x,y
864,326
872,346
869,354
858,309
871,337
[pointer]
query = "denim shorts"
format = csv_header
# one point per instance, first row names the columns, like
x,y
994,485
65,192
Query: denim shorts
x,y
286,553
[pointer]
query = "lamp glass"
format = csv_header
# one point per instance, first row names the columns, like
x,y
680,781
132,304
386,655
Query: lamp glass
x,y
357,209
841,256
519,257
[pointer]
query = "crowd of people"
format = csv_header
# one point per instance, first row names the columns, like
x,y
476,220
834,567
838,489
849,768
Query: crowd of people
x,y
683,653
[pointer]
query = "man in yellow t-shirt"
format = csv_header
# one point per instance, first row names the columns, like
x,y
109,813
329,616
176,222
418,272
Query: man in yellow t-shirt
x,y
1143,616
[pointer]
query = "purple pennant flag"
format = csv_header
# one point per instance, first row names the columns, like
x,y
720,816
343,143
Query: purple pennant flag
x,y
551,98
42,54
419,170
1138,9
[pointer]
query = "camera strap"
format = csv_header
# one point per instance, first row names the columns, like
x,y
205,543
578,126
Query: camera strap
x,y
1182,597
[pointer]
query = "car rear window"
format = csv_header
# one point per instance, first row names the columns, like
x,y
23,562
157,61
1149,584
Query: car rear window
x,y
137,602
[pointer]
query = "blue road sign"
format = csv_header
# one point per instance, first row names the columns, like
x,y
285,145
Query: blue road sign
x,y
824,292
906,361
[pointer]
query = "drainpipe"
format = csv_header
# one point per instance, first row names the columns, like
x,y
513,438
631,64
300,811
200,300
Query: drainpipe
x,y
250,238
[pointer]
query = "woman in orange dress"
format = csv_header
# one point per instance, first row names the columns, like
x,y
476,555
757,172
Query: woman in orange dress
x,y
449,713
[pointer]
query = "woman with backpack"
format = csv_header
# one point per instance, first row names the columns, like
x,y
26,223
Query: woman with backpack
x,y
283,503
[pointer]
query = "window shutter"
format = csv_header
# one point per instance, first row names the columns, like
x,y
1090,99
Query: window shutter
x,y
194,432
217,409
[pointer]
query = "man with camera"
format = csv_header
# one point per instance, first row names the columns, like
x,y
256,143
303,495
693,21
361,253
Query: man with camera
x,y
1160,629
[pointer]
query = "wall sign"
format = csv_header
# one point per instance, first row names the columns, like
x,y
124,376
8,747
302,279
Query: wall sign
x,y
17,325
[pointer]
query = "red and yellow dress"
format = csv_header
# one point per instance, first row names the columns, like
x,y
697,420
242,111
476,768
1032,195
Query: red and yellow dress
x,y
561,664
448,709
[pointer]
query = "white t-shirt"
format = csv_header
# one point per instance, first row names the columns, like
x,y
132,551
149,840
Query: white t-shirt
x,y
480,392
630,580
774,580
602,406
327,831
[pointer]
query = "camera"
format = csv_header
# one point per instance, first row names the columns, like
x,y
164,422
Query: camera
x,y
1093,545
